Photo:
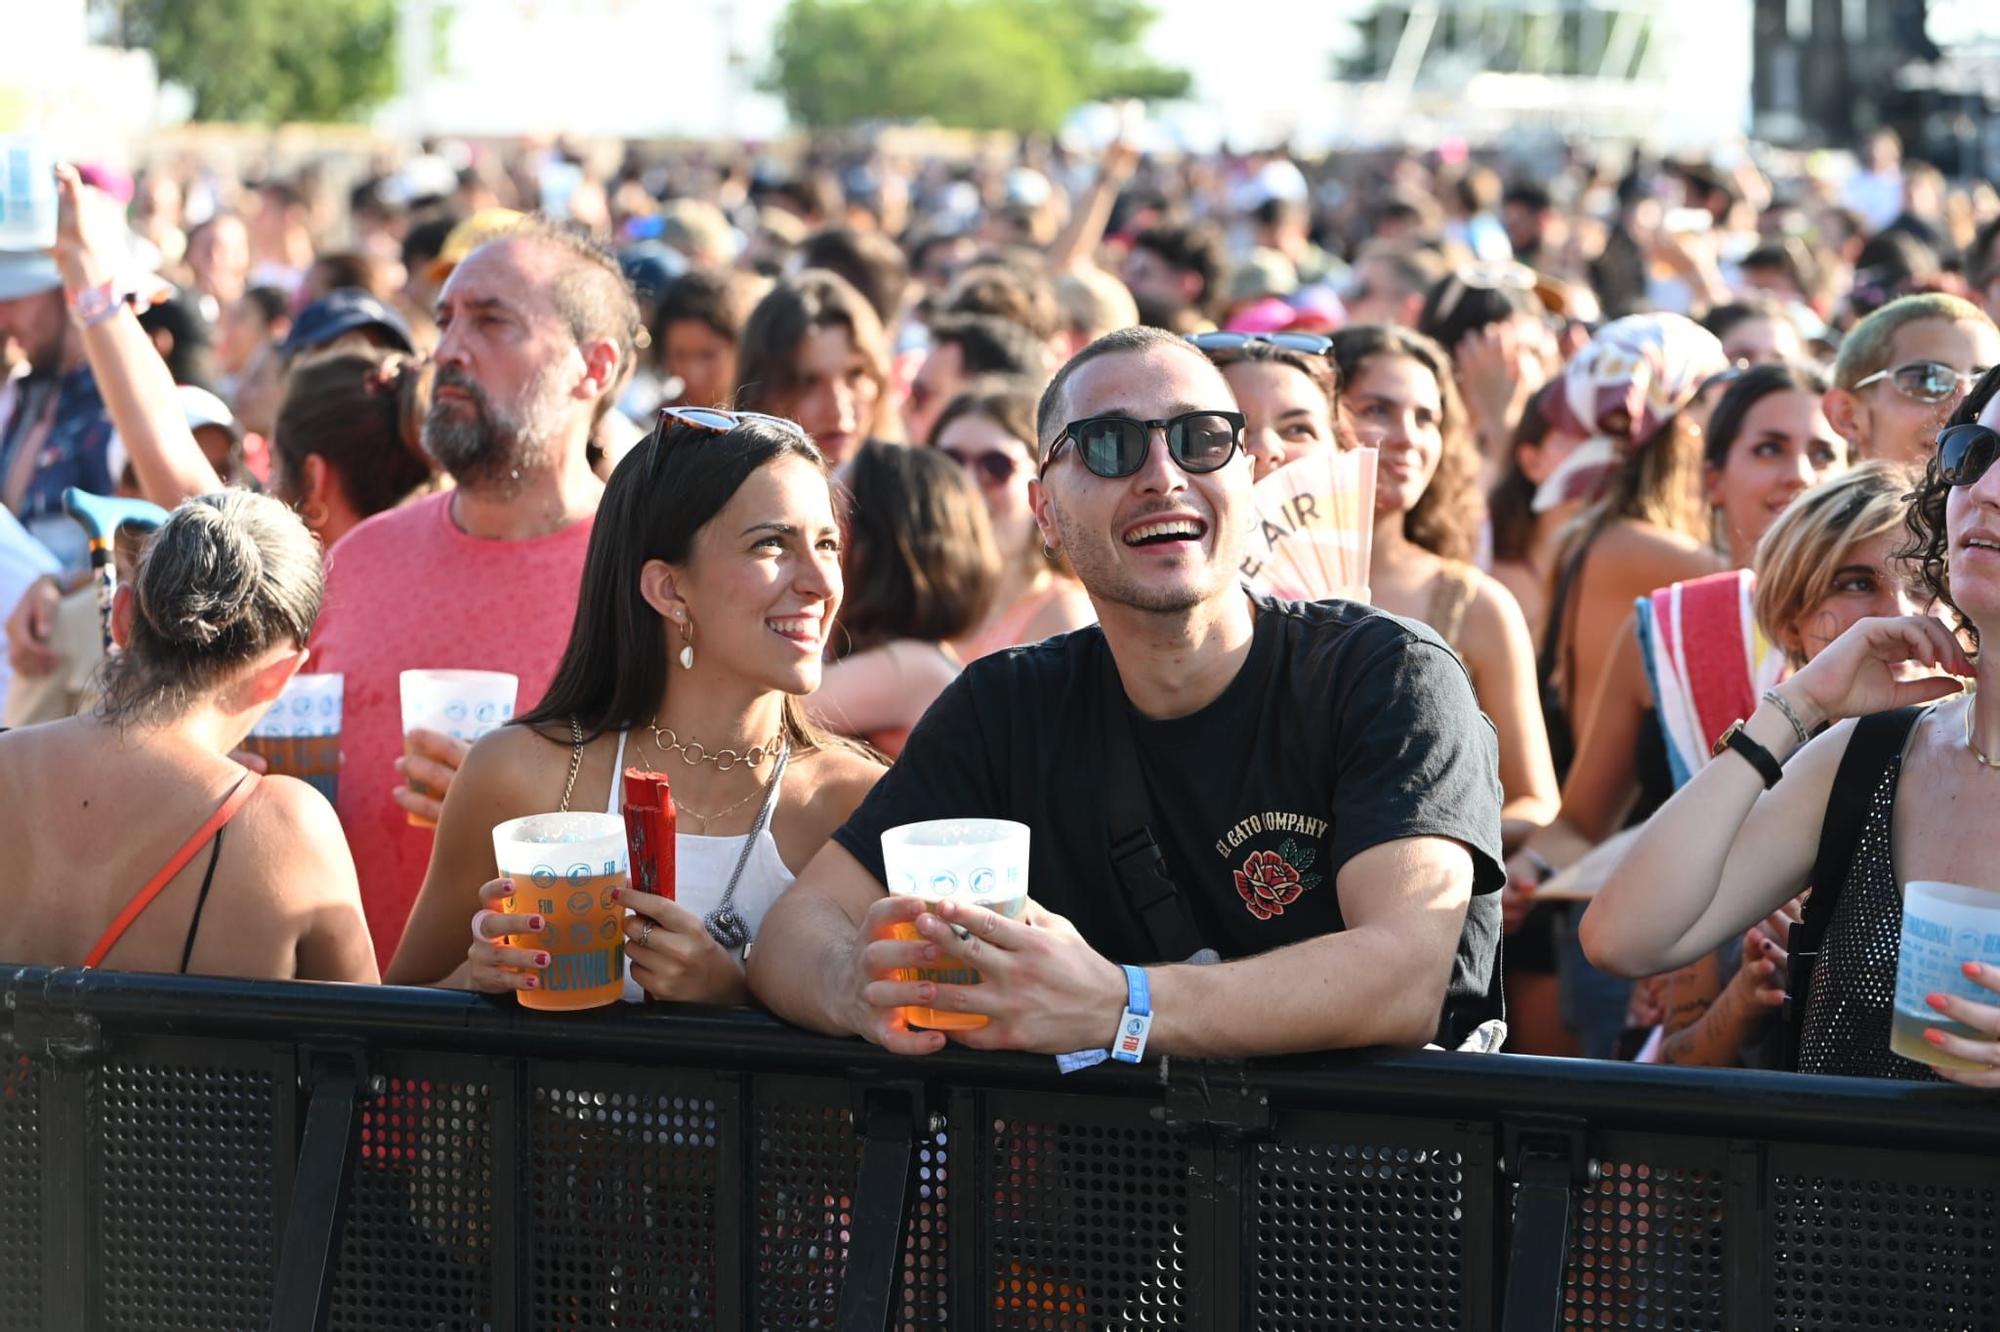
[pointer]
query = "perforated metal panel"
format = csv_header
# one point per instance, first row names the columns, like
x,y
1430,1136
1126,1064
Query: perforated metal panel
x,y
1868,1240
417,1248
1357,1231
806,1157
926,1290
1646,1244
20,1192
186,1195
1090,1211
624,1187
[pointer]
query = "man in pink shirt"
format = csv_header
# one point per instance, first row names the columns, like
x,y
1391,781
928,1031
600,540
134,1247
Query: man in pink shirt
x,y
537,331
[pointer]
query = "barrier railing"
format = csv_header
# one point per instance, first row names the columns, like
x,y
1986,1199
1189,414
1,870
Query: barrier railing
x,y
182,1154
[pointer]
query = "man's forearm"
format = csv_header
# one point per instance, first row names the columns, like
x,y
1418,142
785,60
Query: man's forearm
x,y
799,960
1357,988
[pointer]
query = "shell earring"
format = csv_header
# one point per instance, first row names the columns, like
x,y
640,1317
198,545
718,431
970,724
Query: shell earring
x,y
687,645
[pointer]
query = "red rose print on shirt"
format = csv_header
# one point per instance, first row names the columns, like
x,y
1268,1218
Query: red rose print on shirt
x,y
1270,881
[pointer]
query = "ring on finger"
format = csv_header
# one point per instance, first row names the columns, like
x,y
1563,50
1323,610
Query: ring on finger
x,y
645,933
479,924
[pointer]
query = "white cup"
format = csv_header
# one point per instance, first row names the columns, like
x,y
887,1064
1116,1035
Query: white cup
x,y
464,705
1945,925
27,193
299,735
979,862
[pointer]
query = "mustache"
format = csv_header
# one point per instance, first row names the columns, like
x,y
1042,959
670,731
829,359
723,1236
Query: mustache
x,y
455,378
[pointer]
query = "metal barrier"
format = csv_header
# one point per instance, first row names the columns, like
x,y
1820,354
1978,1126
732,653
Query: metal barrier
x,y
182,1154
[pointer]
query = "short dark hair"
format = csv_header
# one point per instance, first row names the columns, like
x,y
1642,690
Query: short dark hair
x,y
590,292
1529,194
1138,338
271,302
1418,268
424,241
872,264
1723,318
718,299
1190,247
920,559
990,345
1011,287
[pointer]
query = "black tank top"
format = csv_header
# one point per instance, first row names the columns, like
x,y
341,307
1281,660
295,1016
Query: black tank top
x,y
1852,1003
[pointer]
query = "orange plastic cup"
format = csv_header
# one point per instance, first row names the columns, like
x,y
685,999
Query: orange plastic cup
x,y
565,868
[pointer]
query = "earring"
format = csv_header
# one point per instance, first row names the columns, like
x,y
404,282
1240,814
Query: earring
x,y
687,644
1048,552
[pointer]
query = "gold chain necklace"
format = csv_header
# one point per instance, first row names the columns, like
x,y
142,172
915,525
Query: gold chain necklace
x,y
693,753
707,819
1973,745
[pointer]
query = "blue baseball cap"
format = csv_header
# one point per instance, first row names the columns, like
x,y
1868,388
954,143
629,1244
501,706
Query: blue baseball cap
x,y
340,312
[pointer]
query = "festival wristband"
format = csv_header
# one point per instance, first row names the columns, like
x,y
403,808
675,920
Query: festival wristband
x,y
1134,1024
95,304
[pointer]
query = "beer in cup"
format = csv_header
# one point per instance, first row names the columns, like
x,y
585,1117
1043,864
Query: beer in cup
x,y
565,868
461,704
1945,925
983,862
300,735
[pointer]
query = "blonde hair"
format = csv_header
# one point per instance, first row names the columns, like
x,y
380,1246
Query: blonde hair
x,y
1800,554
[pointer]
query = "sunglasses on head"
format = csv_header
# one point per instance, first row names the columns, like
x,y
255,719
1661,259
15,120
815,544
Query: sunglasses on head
x,y
1926,381
1482,277
713,420
1312,344
994,467
1965,452
1115,446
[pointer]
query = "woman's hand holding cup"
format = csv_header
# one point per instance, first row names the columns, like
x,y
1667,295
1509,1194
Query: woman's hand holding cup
x,y
492,965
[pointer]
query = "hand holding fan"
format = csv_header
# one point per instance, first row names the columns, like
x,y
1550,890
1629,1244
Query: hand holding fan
x,y
1315,524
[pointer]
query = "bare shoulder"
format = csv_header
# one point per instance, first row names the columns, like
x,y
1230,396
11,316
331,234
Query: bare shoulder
x,y
514,761
834,778
1068,608
1638,552
294,839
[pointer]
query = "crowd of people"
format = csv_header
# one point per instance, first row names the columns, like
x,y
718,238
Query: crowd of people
x,y
855,491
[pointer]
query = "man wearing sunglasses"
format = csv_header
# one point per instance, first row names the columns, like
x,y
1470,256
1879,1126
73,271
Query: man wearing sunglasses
x,y
1903,369
1304,795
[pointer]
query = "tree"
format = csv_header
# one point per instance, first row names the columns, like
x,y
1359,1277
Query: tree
x,y
268,60
975,64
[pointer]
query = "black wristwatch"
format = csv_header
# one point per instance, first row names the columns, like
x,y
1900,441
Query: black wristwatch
x,y
1760,758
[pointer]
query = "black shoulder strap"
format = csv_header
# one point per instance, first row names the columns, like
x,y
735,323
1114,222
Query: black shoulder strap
x,y
1876,741
207,882
1136,861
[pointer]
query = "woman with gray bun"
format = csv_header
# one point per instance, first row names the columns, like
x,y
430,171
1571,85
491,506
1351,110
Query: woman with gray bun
x,y
129,827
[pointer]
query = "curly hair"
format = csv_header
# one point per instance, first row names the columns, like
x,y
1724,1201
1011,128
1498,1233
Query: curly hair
x,y
1929,550
1446,519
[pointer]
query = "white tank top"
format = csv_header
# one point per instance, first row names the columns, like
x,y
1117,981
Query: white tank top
x,y
701,871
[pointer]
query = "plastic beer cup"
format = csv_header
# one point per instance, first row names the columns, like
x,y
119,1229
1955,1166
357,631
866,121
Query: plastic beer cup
x,y
565,868
1945,925
300,735
979,861
27,193
464,705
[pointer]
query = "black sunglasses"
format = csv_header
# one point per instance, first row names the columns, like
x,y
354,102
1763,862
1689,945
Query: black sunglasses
x,y
994,467
1965,452
1115,446
1312,344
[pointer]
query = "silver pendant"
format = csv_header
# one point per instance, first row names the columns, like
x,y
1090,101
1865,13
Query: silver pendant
x,y
727,928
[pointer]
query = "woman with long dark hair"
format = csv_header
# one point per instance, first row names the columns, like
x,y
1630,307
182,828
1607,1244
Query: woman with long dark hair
x,y
920,571
1397,395
814,351
710,587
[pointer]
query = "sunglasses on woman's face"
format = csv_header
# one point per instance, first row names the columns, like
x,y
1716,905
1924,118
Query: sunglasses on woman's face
x,y
994,467
1926,381
1965,452
1312,344
1116,446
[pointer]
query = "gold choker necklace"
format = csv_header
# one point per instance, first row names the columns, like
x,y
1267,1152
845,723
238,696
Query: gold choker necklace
x,y
1972,744
693,753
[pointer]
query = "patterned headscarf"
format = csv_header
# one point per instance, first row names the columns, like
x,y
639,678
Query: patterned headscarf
x,y
1618,392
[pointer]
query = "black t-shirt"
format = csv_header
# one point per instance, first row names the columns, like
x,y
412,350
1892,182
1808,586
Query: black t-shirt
x,y
1344,729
